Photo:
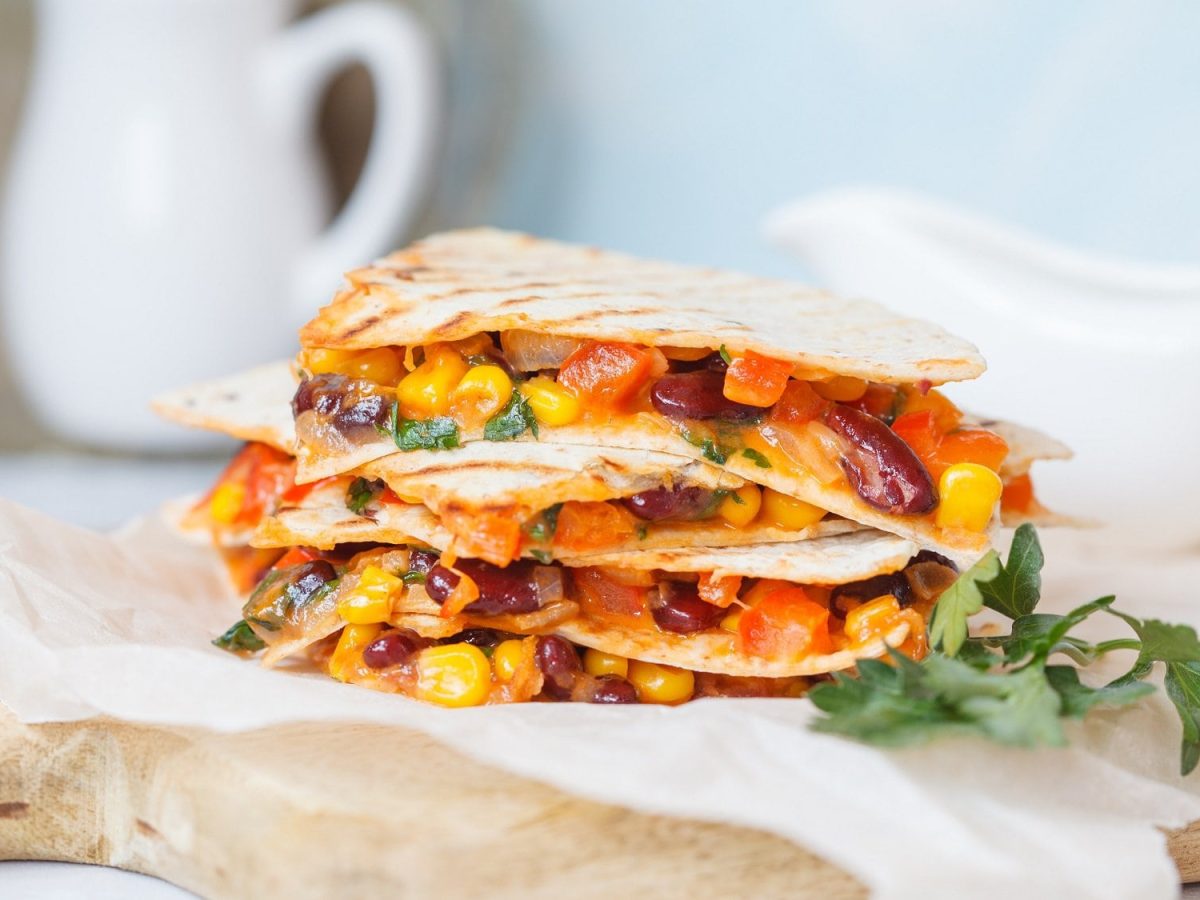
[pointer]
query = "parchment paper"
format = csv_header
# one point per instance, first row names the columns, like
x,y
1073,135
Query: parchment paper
x,y
120,625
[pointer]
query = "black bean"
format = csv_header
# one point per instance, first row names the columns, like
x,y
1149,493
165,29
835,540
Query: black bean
x,y
508,590
393,648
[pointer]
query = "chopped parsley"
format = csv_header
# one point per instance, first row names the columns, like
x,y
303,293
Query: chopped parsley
x,y
757,458
642,531
542,529
413,577
1003,687
542,556
440,433
725,355
240,638
360,493
709,449
512,421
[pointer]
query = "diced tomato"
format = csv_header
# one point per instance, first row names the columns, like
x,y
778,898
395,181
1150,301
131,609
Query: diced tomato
x,y
719,591
296,556
798,404
883,401
919,430
297,492
600,594
606,374
387,495
264,474
592,525
938,451
945,413
974,445
489,536
756,380
1018,495
786,624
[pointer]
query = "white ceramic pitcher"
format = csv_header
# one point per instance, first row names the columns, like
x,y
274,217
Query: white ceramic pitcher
x,y
1101,354
165,205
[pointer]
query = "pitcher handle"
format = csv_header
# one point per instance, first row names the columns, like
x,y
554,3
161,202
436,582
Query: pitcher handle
x,y
399,56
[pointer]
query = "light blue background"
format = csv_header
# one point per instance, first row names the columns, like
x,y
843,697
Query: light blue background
x,y
670,128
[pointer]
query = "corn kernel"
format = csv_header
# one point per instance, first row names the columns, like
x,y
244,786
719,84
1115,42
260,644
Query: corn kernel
x,y
552,404
320,361
425,392
661,684
597,662
968,495
381,365
741,506
872,619
482,392
371,599
784,511
731,622
350,646
506,658
841,388
226,503
453,675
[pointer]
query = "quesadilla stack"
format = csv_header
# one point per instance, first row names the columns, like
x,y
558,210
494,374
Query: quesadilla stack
x,y
503,468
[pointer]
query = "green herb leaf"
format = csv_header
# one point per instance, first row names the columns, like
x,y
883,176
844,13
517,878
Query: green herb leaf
x,y
960,601
542,528
440,433
413,577
1183,688
709,449
360,493
240,638
1037,636
725,355
1015,590
759,460
1077,698
910,703
512,421
543,556
642,531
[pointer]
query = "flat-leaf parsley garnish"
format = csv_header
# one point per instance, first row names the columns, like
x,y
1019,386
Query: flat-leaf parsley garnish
x,y
1003,687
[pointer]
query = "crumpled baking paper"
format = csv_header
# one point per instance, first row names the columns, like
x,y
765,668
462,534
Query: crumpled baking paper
x,y
120,625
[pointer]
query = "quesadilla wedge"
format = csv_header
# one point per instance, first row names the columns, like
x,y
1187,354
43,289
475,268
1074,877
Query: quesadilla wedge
x,y
656,626
502,499
485,335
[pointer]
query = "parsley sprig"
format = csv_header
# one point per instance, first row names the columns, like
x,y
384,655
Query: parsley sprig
x,y
1004,687
512,421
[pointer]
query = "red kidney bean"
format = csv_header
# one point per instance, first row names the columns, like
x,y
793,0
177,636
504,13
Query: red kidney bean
x,y
393,648
347,405
480,637
698,395
670,503
559,664
881,468
931,556
305,580
422,560
894,583
612,689
712,363
508,590
677,608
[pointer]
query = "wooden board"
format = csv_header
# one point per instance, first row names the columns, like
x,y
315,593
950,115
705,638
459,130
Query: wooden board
x,y
366,811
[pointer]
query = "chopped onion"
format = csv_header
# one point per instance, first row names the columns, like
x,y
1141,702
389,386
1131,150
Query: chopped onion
x,y
529,351
549,583
812,445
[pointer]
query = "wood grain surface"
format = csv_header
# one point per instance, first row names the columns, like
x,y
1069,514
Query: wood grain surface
x,y
366,811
